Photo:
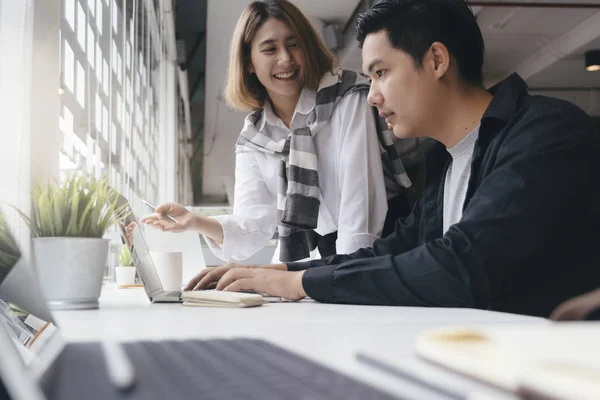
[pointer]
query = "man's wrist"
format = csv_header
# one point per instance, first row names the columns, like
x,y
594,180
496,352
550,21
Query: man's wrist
x,y
276,267
281,267
298,283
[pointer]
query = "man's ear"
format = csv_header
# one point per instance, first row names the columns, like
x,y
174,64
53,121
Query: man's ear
x,y
439,59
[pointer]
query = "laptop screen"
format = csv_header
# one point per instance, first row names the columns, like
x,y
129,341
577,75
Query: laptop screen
x,y
29,339
144,264
26,324
18,282
9,251
140,254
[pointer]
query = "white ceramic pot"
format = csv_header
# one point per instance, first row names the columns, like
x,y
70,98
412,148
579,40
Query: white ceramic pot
x,y
125,275
70,270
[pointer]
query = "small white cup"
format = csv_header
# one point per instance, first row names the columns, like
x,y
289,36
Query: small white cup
x,y
169,266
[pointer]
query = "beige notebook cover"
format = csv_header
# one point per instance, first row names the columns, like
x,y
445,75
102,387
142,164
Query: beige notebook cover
x,y
552,361
216,298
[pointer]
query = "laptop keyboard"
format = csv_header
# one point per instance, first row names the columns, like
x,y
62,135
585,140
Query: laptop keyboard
x,y
204,369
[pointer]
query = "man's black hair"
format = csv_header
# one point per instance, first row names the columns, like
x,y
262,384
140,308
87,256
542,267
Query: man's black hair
x,y
414,25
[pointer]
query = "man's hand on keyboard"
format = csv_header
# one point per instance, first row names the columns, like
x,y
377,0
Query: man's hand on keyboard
x,y
578,307
208,277
272,282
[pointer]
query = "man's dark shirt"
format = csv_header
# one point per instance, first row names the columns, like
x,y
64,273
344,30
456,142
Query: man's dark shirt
x,y
529,236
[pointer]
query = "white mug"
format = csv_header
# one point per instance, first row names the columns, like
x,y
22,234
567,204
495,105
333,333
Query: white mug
x,y
169,267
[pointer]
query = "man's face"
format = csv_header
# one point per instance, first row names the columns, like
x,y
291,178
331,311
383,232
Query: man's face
x,y
403,94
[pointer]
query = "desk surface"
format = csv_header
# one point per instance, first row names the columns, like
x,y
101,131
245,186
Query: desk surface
x,y
329,334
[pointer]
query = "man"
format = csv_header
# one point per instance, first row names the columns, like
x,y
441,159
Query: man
x,y
509,219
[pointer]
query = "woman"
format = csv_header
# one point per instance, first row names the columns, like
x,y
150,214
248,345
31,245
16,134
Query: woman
x,y
310,161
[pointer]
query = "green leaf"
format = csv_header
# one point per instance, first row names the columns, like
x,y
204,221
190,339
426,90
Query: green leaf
x,y
80,206
72,226
124,257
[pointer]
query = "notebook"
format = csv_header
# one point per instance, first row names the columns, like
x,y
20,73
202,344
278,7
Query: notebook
x,y
549,361
215,298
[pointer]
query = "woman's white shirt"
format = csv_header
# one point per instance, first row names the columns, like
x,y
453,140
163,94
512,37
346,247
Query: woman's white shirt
x,y
352,189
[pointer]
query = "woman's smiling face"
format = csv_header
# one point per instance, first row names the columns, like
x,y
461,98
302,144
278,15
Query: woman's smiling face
x,y
277,60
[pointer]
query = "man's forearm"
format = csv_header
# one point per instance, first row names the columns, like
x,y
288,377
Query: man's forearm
x,y
278,267
415,278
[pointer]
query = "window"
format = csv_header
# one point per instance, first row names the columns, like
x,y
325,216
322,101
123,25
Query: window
x,y
103,90
16,22
100,132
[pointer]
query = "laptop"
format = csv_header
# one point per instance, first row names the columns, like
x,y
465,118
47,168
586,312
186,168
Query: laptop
x,y
146,270
140,254
49,368
142,261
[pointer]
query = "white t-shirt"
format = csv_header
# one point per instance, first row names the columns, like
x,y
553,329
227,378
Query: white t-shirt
x,y
352,188
457,178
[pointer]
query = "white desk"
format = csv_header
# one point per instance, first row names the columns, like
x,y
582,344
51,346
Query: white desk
x,y
329,334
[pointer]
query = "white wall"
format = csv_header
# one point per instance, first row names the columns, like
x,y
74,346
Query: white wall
x,y
221,126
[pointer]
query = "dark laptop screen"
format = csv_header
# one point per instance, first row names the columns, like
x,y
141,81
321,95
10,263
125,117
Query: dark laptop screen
x,y
9,251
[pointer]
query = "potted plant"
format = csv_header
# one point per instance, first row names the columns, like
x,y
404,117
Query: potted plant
x,y
125,273
67,223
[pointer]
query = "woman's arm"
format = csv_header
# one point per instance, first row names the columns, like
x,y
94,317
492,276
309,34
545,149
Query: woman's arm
x,y
182,220
254,217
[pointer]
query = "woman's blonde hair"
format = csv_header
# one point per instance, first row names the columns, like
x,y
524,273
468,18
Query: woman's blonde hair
x,y
244,91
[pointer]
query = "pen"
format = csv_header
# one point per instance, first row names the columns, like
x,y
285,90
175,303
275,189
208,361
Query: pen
x,y
120,371
413,378
164,214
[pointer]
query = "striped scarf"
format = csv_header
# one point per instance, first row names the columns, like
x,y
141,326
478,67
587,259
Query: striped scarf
x,y
298,188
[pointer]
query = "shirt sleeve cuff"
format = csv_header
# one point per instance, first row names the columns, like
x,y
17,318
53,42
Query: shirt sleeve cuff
x,y
302,265
298,266
348,244
318,283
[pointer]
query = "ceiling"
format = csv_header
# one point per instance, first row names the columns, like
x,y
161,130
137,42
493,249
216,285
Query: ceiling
x,y
545,45
338,11
512,35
